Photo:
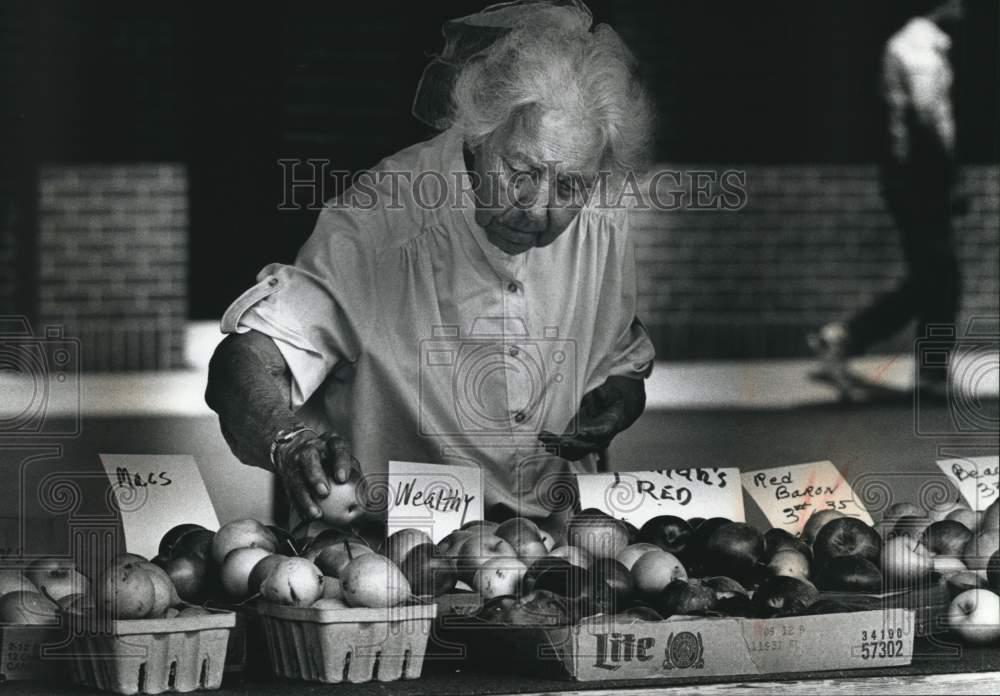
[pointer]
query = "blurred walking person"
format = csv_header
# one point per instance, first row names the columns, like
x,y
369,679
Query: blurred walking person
x,y
918,184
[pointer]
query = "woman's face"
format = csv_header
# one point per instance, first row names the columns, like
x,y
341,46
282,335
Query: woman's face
x,y
532,177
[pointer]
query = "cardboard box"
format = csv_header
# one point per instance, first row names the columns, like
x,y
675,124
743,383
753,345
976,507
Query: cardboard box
x,y
21,648
603,647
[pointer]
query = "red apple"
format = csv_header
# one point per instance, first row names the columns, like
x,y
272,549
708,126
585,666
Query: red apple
x,y
189,575
979,548
669,532
849,574
333,559
517,531
974,616
783,596
429,572
450,544
946,538
197,542
173,535
685,597
734,550
241,534
846,536
815,523
965,516
573,554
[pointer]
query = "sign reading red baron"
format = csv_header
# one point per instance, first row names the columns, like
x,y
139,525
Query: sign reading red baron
x,y
683,650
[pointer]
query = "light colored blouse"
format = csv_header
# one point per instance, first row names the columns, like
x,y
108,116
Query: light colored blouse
x,y
408,332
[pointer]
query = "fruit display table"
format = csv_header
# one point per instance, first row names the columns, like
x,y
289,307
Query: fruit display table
x,y
966,670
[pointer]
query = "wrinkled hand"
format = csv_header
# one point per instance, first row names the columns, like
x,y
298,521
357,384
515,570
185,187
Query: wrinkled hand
x,y
303,465
602,415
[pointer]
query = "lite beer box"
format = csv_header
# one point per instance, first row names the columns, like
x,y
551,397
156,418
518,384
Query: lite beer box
x,y
21,656
602,648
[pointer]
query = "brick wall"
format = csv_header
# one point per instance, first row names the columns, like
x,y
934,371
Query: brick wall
x,y
112,251
811,244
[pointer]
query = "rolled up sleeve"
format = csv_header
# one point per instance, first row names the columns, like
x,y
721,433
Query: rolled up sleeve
x,y
633,353
313,310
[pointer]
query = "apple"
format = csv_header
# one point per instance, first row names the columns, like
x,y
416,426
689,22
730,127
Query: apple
x,y
261,570
695,522
669,532
331,589
964,516
293,582
331,537
173,535
815,523
695,553
937,513
479,526
946,537
573,554
685,597
846,536
401,542
530,550
499,576
333,559
189,574
164,593
31,608
236,569
518,530
537,608
991,518
329,603
725,587
197,542
946,566
783,596
193,611
449,545
476,550
633,553
790,563
993,572
962,581
655,570
898,510
78,603
641,612
849,574
974,616
613,586
287,546
561,577
979,548
428,572
778,539
128,591
496,610
346,501
372,580
14,581
602,536
904,562
910,526
241,534
547,539
735,550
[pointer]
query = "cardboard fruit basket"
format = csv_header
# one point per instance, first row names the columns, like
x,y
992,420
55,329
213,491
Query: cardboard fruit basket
x,y
21,651
153,656
353,645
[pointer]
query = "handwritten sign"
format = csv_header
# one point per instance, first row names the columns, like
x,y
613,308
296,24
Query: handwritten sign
x,y
638,496
977,479
155,492
788,495
437,498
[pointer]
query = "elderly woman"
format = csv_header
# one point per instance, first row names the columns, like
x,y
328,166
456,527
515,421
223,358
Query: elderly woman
x,y
471,301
